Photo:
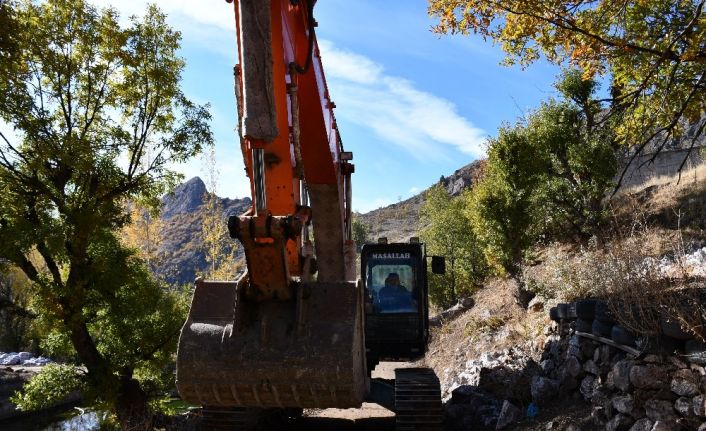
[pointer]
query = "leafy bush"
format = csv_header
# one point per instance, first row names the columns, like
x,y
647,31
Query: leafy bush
x,y
48,387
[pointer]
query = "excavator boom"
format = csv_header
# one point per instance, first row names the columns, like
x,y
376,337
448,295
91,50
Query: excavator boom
x,y
289,332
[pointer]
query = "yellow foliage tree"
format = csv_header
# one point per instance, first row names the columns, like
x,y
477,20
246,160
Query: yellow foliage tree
x,y
653,50
219,248
144,234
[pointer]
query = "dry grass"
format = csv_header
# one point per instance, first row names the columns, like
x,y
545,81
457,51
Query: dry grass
x,y
629,274
687,179
675,202
494,323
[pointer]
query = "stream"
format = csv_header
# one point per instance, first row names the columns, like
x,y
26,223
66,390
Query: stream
x,y
75,419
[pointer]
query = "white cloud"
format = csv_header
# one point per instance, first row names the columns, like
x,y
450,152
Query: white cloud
x,y
414,190
348,65
420,122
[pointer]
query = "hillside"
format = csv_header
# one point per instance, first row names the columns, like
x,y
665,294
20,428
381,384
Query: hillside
x,y
400,220
506,367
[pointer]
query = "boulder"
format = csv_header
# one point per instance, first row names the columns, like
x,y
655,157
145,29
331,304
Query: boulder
x,y
648,376
543,389
509,414
591,367
587,387
588,349
660,410
684,383
699,405
472,408
619,422
605,353
598,415
665,426
677,362
574,347
536,304
609,381
643,424
624,404
572,366
698,368
683,406
24,355
547,366
621,375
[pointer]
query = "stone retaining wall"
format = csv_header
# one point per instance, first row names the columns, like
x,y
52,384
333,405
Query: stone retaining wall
x,y
645,393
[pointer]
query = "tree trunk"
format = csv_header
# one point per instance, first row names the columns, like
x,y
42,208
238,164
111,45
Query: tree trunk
x,y
131,406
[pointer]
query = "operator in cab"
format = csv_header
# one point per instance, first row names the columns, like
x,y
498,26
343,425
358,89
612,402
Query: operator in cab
x,y
394,297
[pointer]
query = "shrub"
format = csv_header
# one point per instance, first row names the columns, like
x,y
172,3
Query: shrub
x,y
48,387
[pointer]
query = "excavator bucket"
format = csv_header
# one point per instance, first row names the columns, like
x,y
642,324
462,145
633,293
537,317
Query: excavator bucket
x,y
307,352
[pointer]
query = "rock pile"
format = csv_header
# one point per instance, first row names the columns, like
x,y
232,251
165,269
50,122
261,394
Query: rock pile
x,y
490,391
691,263
23,358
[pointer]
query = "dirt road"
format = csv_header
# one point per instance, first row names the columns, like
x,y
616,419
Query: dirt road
x,y
370,417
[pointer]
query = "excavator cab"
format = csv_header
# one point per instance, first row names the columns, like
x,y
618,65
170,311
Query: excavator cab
x,y
394,278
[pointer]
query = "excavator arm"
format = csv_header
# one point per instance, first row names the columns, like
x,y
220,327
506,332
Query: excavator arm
x,y
292,150
289,332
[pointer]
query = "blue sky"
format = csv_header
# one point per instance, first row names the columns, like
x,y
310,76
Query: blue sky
x,y
411,105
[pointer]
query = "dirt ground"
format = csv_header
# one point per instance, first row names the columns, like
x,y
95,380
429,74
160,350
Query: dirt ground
x,y
369,417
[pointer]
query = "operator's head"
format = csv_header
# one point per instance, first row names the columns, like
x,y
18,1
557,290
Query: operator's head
x,y
393,279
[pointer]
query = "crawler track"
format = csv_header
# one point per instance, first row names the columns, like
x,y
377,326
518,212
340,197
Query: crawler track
x,y
418,400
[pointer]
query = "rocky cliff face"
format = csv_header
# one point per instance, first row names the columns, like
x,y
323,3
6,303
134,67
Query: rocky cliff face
x,y
186,198
182,248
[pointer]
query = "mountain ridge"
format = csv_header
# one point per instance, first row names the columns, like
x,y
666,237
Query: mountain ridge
x,y
183,256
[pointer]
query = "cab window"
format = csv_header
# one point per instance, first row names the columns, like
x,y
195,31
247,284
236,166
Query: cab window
x,y
391,286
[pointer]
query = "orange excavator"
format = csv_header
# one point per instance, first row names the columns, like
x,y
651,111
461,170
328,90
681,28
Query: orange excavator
x,y
298,329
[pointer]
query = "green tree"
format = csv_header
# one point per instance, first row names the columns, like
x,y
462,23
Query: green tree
x,y
500,205
99,117
547,176
447,232
652,49
360,231
578,158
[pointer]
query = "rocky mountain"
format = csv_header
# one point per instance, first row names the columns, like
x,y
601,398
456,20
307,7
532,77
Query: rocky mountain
x,y
182,248
400,221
